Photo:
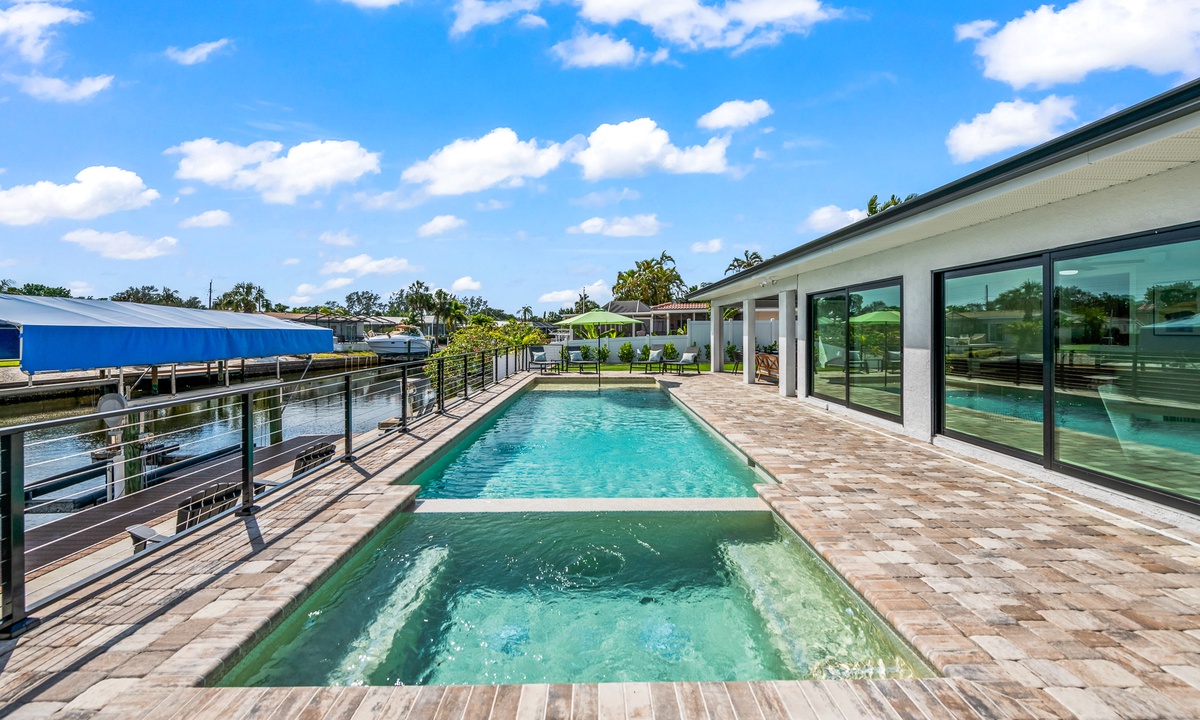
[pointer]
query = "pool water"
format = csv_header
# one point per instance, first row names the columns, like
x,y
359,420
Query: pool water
x,y
618,443
577,597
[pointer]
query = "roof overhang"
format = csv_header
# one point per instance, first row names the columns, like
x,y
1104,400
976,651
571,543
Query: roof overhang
x,y
1152,137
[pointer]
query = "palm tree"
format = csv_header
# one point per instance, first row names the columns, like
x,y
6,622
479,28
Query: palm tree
x,y
440,307
456,314
749,259
652,281
874,208
244,297
526,312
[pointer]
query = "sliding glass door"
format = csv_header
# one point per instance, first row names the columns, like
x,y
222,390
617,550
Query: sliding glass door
x,y
857,348
1087,360
992,356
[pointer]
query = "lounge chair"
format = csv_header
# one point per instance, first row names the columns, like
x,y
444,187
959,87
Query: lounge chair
x,y
575,357
656,358
690,358
541,360
193,510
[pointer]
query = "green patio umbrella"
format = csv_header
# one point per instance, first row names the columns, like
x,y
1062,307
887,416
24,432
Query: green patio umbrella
x,y
880,317
593,318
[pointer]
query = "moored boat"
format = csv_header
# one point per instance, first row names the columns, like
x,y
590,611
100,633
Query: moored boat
x,y
403,340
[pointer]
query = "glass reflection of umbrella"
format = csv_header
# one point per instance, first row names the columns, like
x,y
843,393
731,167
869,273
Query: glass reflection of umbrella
x,y
592,318
880,317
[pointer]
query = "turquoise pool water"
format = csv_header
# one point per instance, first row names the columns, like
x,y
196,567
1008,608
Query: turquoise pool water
x,y
571,597
618,443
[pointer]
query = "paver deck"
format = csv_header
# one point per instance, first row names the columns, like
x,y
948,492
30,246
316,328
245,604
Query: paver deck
x,y
1031,601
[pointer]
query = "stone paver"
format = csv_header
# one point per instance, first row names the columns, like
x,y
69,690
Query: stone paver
x,y
1031,603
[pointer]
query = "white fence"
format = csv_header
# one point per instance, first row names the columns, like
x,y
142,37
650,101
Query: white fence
x,y
697,335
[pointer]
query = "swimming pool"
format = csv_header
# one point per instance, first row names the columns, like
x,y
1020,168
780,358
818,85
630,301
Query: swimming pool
x,y
619,443
578,597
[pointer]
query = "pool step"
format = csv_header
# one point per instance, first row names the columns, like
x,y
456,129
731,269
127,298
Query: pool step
x,y
742,504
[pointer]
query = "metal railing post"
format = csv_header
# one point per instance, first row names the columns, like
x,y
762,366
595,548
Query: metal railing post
x,y
13,621
348,430
404,398
495,370
441,388
248,506
466,378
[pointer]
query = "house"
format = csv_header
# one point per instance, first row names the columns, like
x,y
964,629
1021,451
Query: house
x,y
1041,311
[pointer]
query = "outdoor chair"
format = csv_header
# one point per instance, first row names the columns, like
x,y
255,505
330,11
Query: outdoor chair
x,y
737,360
656,358
575,357
193,510
690,358
766,365
541,359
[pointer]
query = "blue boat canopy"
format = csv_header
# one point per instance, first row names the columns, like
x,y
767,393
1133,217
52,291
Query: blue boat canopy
x,y
71,334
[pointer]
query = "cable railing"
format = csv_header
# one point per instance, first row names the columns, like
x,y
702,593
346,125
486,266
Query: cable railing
x,y
84,496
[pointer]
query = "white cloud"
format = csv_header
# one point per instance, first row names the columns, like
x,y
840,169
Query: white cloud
x,y
1047,46
735,114
530,21
196,53
740,24
636,226
373,4
586,50
305,169
306,291
121,245
832,217
596,199
466,283
27,26
81,288
364,264
207,219
439,225
291,261
598,291
637,146
492,204
41,87
1009,125
760,154
469,14
97,191
498,159
712,246
338,239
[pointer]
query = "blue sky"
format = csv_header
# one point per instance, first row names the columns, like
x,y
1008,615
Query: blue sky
x,y
517,149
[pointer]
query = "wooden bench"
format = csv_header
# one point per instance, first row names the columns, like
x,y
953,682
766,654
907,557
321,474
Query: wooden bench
x,y
766,365
193,510
313,456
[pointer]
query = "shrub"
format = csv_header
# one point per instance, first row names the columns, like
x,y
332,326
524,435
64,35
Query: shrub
x,y
730,351
586,352
602,353
707,354
625,353
669,352
644,353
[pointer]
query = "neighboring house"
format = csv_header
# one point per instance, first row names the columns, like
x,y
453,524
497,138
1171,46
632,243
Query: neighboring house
x,y
1042,310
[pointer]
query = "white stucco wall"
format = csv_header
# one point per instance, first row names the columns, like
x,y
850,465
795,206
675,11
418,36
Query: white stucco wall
x,y
1162,200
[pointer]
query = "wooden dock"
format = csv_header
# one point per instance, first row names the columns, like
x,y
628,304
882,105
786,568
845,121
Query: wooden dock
x,y
48,544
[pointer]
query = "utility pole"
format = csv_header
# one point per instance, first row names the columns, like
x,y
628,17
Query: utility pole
x,y
210,294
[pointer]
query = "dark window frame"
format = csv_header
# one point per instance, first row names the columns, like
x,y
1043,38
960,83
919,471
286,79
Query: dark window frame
x,y
1172,235
845,291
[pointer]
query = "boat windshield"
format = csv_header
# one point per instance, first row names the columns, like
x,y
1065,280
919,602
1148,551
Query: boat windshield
x,y
407,332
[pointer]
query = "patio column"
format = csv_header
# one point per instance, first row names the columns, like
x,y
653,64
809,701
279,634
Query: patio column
x,y
787,343
716,340
748,338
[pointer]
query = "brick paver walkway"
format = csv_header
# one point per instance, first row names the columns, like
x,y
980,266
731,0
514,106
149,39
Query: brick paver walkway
x,y
1042,596
1032,604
